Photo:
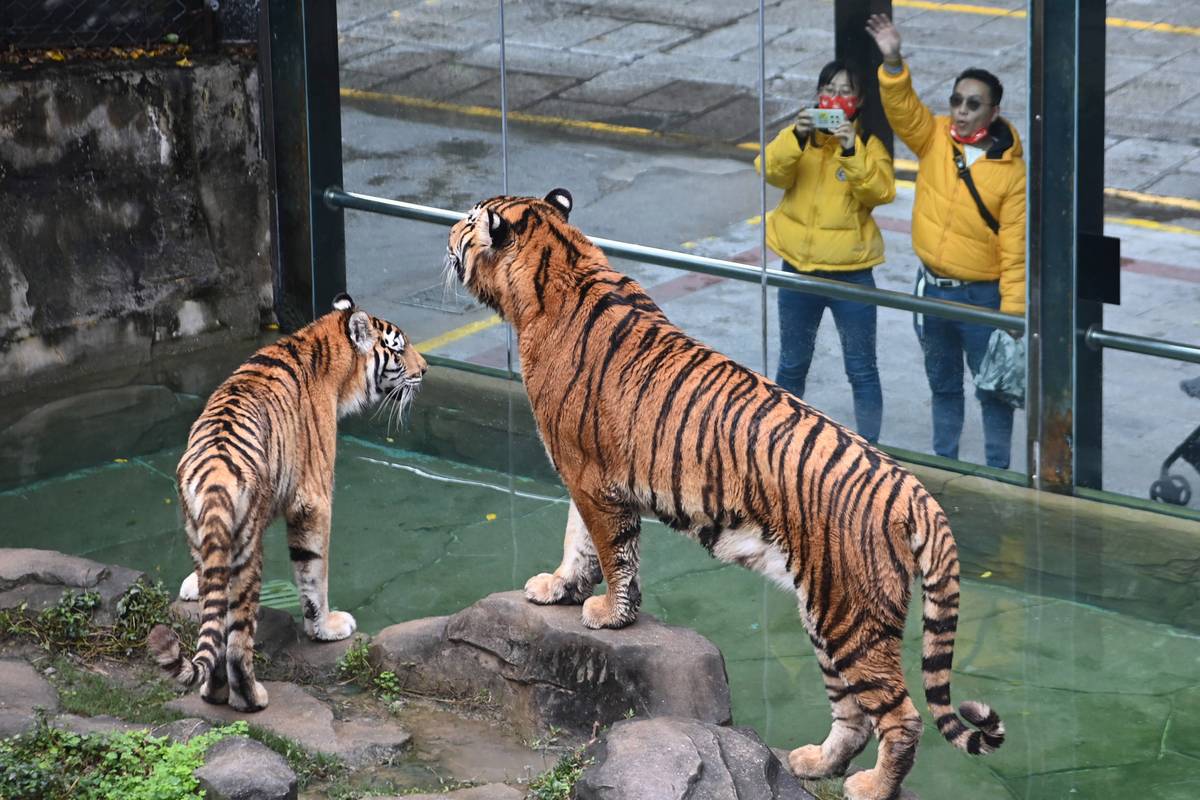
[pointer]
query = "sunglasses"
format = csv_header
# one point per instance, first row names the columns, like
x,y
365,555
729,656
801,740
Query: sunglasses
x,y
973,103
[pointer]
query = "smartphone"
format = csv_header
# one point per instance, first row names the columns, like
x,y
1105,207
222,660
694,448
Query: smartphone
x,y
827,118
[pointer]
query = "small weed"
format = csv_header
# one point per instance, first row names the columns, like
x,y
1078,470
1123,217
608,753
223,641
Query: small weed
x,y
558,782
355,664
629,713
68,625
386,686
309,767
544,743
88,694
54,764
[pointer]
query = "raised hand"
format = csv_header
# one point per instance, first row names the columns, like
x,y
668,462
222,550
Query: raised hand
x,y
886,36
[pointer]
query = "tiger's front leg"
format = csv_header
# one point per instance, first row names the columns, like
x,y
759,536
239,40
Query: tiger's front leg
x,y
614,526
308,544
576,576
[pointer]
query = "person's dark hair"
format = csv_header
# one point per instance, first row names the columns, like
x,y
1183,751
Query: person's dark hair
x,y
983,76
841,65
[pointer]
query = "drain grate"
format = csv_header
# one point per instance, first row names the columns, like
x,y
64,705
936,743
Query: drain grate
x,y
282,595
439,297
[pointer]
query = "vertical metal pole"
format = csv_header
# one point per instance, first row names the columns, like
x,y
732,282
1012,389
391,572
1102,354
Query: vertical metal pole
x,y
1066,184
852,42
303,133
1089,220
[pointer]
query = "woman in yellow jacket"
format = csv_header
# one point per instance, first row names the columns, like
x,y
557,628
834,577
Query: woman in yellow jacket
x,y
967,256
831,181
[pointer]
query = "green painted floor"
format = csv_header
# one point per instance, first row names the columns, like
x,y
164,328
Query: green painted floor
x,y
1097,704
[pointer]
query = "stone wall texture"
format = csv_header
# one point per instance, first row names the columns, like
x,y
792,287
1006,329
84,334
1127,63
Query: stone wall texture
x,y
133,213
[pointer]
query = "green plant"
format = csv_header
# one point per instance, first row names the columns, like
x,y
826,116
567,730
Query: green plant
x,y
355,664
88,694
55,764
545,742
386,686
558,782
68,625
309,767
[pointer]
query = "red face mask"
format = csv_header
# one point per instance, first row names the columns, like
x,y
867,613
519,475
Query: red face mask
x,y
971,139
846,104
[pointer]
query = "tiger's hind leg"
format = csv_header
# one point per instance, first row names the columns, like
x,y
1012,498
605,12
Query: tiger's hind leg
x,y
576,576
876,678
849,734
245,692
614,527
308,544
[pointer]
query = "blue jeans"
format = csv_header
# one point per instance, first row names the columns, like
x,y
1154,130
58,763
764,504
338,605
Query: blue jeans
x,y
800,316
944,343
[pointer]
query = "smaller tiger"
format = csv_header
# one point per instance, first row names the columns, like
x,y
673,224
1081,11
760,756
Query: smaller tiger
x,y
263,447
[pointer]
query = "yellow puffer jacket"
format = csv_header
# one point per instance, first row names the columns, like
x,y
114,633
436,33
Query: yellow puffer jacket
x,y
824,220
948,232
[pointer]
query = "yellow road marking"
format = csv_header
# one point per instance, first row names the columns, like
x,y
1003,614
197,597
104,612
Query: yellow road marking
x,y
460,332
996,11
1150,224
494,113
1157,199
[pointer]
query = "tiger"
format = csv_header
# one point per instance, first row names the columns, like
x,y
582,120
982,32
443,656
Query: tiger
x,y
638,417
263,447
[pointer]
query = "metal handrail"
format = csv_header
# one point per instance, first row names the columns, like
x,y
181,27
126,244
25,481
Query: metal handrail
x,y
1097,338
962,312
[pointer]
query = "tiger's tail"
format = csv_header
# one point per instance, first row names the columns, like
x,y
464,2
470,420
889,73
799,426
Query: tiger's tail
x,y
214,602
937,557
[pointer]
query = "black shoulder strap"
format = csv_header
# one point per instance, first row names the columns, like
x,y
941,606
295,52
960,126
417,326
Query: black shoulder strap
x,y
965,173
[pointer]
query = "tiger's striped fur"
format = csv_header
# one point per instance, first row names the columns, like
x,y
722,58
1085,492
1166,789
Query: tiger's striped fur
x,y
639,417
264,446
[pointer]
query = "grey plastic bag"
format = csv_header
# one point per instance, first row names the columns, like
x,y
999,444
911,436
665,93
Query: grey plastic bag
x,y
1002,371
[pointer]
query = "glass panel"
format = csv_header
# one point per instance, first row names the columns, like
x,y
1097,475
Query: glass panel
x,y
938,43
637,110
411,81
1152,171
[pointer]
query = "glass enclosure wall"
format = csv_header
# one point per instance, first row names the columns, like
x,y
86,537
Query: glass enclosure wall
x,y
650,115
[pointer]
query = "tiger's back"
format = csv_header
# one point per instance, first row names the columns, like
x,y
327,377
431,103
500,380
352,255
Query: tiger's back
x,y
639,417
265,446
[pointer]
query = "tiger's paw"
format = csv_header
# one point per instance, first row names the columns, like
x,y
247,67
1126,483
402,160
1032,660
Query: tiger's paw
x,y
190,588
598,612
547,589
255,700
866,785
336,626
809,762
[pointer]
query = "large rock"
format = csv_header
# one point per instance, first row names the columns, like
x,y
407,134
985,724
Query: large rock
x,y
22,690
297,715
684,759
546,669
39,578
237,768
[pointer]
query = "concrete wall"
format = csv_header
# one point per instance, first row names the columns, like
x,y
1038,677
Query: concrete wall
x,y
133,214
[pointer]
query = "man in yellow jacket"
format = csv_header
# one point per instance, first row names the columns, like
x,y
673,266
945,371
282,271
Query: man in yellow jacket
x,y
971,243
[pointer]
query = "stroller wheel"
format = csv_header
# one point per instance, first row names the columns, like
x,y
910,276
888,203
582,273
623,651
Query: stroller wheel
x,y
1173,489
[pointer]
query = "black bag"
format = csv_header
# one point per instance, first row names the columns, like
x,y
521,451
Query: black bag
x,y
964,172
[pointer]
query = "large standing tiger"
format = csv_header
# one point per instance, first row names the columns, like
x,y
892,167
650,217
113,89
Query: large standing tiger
x,y
264,446
639,417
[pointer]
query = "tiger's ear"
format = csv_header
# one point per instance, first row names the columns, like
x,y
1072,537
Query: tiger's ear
x,y
343,302
360,331
494,229
561,199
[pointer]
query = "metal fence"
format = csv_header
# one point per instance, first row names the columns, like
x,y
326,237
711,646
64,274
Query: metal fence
x,y
90,24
